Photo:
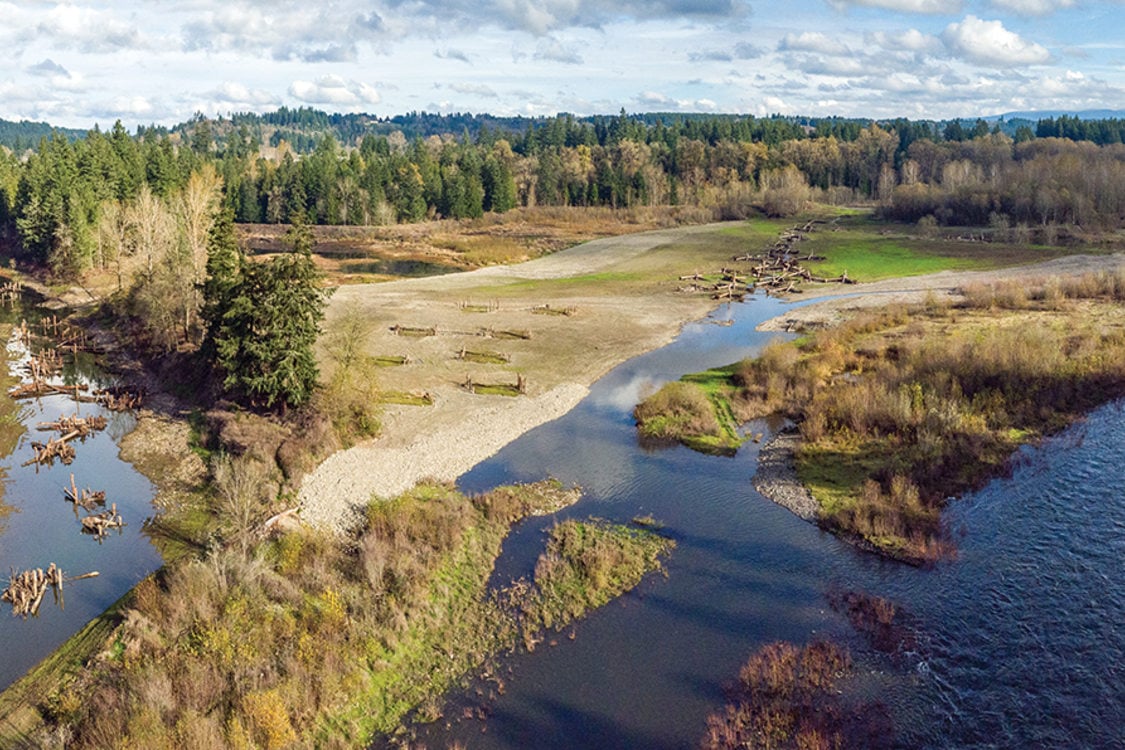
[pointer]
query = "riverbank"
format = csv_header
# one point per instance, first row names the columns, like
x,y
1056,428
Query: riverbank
x,y
834,305
557,324
776,478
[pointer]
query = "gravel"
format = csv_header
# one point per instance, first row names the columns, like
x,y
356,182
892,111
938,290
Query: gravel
x,y
333,494
776,478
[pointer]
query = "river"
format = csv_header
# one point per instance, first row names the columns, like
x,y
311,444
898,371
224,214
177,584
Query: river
x,y
39,526
1020,641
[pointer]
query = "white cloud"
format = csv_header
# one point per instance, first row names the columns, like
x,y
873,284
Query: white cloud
x,y
334,90
230,92
132,105
474,89
556,51
989,43
906,6
1033,7
88,29
812,41
910,40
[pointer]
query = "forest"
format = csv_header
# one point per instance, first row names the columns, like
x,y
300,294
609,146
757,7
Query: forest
x,y
77,204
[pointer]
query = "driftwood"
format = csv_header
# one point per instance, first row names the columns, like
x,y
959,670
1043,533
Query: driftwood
x,y
400,330
39,389
74,423
120,398
86,498
46,453
25,590
99,524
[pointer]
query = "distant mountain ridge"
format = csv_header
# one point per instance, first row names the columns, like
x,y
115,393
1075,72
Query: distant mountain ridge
x,y
22,135
303,127
1085,114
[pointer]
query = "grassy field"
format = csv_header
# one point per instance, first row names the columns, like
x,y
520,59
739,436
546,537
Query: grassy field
x,y
870,250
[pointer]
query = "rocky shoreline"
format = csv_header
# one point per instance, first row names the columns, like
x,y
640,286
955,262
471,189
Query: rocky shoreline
x,y
776,478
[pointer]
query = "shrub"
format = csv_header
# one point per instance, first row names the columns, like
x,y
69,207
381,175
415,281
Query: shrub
x,y
677,411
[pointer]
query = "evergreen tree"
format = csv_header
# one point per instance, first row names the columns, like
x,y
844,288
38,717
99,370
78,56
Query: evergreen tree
x,y
264,342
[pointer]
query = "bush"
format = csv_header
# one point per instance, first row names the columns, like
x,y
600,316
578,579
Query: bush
x,y
677,411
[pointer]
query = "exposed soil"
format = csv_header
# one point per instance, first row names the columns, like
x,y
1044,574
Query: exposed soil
x,y
562,357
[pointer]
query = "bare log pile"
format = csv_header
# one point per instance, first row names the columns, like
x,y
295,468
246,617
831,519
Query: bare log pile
x,y
779,271
46,453
26,590
39,389
99,524
120,398
44,364
87,499
80,426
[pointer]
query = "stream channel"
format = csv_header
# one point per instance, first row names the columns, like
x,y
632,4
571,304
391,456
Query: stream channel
x,y
39,526
1018,642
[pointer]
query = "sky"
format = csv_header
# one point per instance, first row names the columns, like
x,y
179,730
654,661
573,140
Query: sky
x,y
78,63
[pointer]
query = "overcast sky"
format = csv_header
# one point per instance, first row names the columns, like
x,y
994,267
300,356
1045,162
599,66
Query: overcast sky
x,y
160,61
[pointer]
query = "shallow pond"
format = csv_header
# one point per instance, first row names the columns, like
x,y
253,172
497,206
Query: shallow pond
x,y
39,526
1020,641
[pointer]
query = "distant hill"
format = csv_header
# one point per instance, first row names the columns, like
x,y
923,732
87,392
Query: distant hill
x,y
22,135
1086,114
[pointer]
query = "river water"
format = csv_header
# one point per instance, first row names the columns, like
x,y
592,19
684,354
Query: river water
x,y
38,526
1019,641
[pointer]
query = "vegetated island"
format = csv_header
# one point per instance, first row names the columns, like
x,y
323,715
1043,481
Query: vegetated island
x,y
299,638
899,409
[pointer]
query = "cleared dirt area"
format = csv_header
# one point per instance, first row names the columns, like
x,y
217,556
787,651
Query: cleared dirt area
x,y
556,324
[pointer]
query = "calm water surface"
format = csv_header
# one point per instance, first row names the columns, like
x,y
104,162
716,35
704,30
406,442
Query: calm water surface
x,y
38,526
1020,640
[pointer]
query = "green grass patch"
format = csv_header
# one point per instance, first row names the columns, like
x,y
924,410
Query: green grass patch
x,y
386,360
404,398
496,389
484,357
871,251
695,411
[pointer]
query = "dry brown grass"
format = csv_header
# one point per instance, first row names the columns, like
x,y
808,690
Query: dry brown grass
x,y
786,697
355,254
305,641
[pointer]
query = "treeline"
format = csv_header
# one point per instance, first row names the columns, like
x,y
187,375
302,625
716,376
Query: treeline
x,y
23,135
58,204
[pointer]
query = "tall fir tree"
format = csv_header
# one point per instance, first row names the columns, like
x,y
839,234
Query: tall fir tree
x,y
264,343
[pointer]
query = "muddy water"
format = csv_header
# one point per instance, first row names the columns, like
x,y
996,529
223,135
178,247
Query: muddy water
x,y
38,526
1020,640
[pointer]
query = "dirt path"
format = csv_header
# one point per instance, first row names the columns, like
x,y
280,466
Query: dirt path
x,y
563,355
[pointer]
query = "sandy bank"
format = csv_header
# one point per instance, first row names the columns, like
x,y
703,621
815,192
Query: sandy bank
x,y
561,356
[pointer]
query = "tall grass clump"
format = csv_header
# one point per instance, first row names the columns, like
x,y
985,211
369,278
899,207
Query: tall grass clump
x,y
678,411
786,697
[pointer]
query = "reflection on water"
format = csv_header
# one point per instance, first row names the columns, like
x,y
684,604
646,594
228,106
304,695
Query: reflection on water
x,y
38,526
1019,640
